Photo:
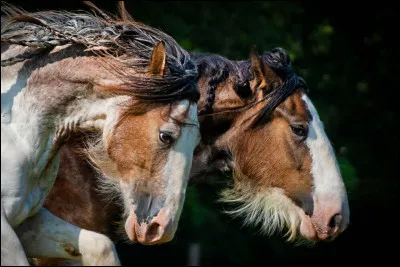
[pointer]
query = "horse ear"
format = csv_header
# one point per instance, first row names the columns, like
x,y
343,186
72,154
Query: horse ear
x,y
158,60
264,76
257,69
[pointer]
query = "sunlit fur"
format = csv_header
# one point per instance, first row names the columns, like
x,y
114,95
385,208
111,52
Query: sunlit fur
x,y
268,209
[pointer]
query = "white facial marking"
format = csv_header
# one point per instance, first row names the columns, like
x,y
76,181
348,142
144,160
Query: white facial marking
x,y
179,162
328,183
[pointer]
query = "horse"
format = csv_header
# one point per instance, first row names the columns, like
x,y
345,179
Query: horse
x,y
257,125
131,88
284,168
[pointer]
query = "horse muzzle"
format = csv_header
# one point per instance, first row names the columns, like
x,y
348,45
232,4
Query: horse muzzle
x,y
149,221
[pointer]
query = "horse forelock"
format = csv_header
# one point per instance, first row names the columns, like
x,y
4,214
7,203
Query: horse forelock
x,y
217,69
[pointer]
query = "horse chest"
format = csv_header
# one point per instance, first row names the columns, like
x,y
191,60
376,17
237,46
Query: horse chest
x,y
28,176
42,187
20,206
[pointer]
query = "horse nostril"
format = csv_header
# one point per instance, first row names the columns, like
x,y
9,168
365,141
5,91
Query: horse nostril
x,y
153,231
335,221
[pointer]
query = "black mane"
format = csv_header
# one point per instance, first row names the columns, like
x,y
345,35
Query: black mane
x,y
217,69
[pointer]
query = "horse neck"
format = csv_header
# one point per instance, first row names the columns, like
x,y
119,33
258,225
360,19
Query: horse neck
x,y
225,96
53,91
208,158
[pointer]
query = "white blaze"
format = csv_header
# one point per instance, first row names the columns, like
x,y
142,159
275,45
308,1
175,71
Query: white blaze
x,y
179,162
329,189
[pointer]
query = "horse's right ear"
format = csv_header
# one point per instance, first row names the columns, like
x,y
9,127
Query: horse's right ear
x,y
158,60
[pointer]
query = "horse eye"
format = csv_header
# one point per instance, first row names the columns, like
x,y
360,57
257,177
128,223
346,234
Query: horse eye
x,y
299,130
166,138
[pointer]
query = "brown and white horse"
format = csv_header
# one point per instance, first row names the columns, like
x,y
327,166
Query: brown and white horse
x,y
130,84
258,124
285,171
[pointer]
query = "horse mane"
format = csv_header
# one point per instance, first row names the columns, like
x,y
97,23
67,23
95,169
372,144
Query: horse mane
x,y
128,41
218,69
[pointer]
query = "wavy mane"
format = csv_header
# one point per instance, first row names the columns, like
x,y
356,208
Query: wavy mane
x,y
121,38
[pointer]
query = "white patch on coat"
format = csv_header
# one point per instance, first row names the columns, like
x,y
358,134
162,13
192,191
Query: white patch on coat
x,y
47,236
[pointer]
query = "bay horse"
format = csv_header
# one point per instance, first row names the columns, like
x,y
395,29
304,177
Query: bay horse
x,y
129,85
257,124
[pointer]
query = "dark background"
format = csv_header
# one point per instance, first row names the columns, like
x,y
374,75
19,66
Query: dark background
x,y
347,53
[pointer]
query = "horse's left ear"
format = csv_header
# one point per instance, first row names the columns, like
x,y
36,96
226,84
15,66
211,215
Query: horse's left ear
x,y
158,60
263,75
257,69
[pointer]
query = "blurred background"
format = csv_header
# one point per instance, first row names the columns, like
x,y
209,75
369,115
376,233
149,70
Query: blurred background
x,y
347,55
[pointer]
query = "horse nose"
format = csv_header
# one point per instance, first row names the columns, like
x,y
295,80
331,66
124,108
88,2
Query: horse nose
x,y
147,207
331,228
157,231
153,233
335,222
